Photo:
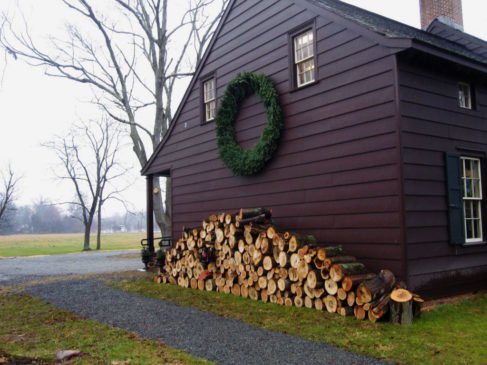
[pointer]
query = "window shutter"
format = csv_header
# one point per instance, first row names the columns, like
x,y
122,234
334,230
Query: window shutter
x,y
455,200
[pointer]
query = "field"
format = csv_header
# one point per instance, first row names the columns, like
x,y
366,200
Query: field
x,y
52,244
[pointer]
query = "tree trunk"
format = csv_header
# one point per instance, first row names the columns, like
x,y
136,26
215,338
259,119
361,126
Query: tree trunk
x,y
162,219
86,241
98,228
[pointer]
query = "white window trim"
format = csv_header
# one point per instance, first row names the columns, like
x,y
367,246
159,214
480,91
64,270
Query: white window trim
x,y
468,103
209,101
298,62
477,199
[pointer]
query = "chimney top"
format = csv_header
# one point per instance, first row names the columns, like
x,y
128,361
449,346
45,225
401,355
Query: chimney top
x,y
448,11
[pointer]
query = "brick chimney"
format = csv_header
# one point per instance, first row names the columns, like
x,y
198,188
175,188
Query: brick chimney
x,y
449,11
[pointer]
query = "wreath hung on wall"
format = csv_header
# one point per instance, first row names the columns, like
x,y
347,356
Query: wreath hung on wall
x,y
248,162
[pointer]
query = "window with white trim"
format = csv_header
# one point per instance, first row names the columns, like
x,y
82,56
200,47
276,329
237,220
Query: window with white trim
x,y
472,198
304,58
209,99
465,95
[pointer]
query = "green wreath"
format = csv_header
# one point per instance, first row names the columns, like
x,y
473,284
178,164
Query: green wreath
x,y
248,162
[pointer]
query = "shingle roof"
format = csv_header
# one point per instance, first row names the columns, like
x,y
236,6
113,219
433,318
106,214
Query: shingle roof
x,y
394,29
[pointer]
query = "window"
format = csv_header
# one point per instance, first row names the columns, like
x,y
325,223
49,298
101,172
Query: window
x,y
209,99
465,95
472,198
304,58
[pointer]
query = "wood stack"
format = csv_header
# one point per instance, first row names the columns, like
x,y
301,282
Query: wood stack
x,y
246,255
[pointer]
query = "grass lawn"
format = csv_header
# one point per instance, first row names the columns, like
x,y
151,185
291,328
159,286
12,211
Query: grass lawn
x,y
52,244
449,334
31,328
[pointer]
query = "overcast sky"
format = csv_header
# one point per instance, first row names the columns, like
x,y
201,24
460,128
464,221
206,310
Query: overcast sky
x,y
34,107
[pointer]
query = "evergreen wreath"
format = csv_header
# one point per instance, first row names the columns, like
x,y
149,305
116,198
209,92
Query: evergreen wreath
x,y
248,162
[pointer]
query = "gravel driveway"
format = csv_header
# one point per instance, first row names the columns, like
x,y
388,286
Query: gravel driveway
x,y
202,334
17,269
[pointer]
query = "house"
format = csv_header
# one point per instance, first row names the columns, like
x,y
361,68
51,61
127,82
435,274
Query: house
x,y
384,145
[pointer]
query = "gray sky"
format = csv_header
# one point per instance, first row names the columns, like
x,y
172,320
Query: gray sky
x,y
34,107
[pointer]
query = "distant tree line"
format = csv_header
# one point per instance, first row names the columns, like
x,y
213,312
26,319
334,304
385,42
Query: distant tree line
x,y
45,217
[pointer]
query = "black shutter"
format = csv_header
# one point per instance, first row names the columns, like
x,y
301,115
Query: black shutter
x,y
455,199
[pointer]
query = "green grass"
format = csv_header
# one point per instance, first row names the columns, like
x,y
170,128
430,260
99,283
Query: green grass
x,y
449,334
31,328
53,244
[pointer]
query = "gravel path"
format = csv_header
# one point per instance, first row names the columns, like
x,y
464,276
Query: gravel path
x,y
202,334
17,269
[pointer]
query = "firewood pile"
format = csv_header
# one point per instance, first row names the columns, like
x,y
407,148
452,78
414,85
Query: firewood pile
x,y
244,254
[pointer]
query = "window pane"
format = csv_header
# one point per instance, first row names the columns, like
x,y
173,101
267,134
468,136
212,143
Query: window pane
x,y
464,95
306,72
303,46
209,90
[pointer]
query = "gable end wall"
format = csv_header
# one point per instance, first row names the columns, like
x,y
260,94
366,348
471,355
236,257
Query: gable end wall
x,y
335,174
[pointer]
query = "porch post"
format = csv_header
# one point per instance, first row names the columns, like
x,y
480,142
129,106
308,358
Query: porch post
x,y
150,213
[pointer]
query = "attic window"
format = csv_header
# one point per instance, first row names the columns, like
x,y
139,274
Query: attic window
x,y
209,99
465,95
304,58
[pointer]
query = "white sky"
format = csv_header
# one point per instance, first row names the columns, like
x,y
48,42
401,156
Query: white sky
x,y
34,107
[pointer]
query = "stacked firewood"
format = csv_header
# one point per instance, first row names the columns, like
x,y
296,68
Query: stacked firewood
x,y
246,255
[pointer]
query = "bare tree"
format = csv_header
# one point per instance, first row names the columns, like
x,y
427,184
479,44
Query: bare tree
x,y
88,156
132,60
7,194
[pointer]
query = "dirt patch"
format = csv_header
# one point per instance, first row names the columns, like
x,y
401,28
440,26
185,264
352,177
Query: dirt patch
x,y
432,304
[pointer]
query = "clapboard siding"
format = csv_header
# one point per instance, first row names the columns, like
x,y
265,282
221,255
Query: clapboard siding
x,y
432,124
335,173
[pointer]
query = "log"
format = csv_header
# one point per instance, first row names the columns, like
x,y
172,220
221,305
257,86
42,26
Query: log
x,y
271,232
236,290
345,311
359,312
341,294
330,303
282,259
283,284
331,287
298,301
338,271
253,293
401,313
330,251
313,280
267,263
244,291
329,261
271,286
351,298
288,302
308,302
264,296
401,295
374,288
318,304
351,281
210,284
252,212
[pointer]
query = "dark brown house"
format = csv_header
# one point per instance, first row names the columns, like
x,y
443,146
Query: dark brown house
x,y
384,146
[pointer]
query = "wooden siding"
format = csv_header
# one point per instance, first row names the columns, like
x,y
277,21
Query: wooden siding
x,y
336,172
433,124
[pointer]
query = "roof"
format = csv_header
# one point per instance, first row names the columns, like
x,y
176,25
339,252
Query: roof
x,y
394,29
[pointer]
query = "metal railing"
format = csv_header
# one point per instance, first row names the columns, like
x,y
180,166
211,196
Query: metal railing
x,y
164,242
